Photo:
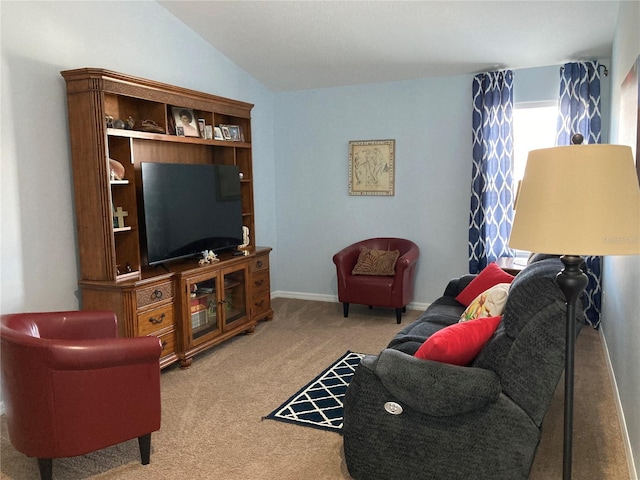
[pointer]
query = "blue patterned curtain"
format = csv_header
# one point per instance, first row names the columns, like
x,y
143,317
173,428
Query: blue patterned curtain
x,y
579,112
491,213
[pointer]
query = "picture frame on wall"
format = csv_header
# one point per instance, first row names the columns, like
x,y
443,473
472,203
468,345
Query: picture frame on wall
x,y
186,122
372,167
630,112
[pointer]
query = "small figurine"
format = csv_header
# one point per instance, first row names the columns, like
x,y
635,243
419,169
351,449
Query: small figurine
x,y
130,123
208,257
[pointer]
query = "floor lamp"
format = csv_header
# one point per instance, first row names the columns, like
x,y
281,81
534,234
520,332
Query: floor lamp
x,y
574,201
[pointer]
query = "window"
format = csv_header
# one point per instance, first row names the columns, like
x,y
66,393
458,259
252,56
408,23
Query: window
x,y
534,127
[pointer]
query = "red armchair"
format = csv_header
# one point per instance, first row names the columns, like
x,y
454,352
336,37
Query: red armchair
x,y
70,386
380,291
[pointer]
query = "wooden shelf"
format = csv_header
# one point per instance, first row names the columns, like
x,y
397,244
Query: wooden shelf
x,y
163,137
99,97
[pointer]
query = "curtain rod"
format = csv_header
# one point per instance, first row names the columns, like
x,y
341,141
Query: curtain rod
x,y
600,65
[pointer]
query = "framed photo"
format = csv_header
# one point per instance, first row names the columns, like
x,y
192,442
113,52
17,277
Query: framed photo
x,y
372,167
225,132
217,133
186,124
629,133
201,125
234,131
208,132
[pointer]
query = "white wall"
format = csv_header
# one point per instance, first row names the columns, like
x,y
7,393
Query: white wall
x,y
430,121
621,275
39,39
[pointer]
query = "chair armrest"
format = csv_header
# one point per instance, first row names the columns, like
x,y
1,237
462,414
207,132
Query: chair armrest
x,y
433,388
407,260
96,354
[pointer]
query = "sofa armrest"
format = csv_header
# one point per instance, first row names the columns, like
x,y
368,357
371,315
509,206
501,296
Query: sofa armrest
x,y
433,388
456,285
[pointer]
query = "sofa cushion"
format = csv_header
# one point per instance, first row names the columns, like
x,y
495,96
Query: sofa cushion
x,y
460,343
376,262
489,303
441,313
487,278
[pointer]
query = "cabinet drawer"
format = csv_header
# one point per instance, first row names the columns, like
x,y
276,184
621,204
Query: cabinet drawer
x,y
260,305
155,293
168,341
260,262
155,320
260,281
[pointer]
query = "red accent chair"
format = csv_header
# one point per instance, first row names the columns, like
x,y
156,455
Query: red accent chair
x,y
379,291
70,386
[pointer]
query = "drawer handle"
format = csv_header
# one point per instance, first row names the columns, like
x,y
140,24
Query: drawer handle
x,y
156,321
156,295
164,344
259,304
259,264
258,283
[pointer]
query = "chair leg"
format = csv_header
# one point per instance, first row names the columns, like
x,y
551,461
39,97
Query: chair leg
x,y
398,315
145,448
345,309
46,468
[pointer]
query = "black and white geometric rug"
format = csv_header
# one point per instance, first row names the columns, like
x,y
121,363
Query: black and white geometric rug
x,y
319,404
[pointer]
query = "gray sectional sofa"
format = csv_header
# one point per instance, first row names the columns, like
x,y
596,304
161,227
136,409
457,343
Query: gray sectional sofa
x,y
408,418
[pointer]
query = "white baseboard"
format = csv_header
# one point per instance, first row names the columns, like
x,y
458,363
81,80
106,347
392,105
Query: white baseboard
x,y
332,298
633,473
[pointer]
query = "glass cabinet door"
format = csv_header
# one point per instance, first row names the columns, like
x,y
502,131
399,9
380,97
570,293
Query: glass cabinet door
x,y
204,308
234,301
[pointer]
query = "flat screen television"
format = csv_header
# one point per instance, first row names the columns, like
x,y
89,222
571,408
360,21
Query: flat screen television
x,y
189,208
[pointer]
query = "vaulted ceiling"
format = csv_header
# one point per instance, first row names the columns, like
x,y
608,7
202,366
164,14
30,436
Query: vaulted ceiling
x,y
293,45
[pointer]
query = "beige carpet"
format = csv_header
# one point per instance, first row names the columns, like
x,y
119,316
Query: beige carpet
x,y
212,427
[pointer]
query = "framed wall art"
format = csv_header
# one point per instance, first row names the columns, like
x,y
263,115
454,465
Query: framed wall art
x,y
629,133
372,167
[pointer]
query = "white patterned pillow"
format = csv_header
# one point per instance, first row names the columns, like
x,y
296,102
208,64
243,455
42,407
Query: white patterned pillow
x,y
489,303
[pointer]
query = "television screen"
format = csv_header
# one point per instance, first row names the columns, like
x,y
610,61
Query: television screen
x,y
189,208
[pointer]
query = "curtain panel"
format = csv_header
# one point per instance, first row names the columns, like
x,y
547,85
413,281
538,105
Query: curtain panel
x,y
491,214
580,112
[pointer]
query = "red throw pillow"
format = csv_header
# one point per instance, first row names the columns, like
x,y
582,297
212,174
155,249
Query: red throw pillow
x,y
460,343
491,276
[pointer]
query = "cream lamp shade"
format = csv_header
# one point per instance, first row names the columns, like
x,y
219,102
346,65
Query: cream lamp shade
x,y
578,200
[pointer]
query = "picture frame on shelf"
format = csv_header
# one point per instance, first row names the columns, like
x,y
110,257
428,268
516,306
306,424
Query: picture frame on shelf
x,y
372,167
201,127
234,131
186,122
225,132
208,132
217,133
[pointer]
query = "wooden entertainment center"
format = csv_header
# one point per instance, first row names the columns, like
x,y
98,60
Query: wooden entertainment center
x,y
190,307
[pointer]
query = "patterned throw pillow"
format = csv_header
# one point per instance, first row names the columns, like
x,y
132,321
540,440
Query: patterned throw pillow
x,y
460,343
376,262
489,303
